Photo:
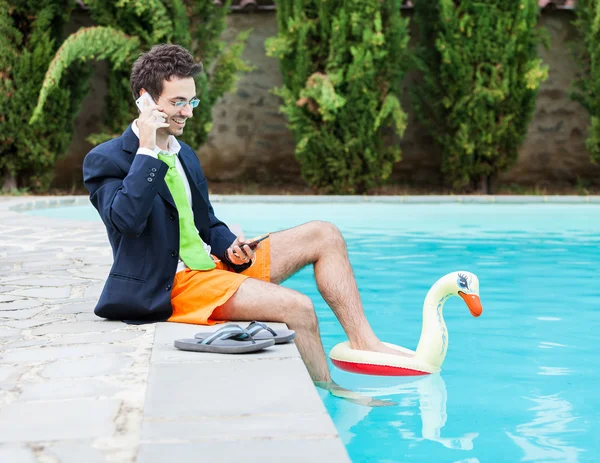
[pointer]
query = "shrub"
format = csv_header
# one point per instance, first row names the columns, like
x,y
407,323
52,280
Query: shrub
x,y
481,74
29,37
587,86
342,63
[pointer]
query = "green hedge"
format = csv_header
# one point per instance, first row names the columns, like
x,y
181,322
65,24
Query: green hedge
x,y
29,38
481,74
342,63
587,86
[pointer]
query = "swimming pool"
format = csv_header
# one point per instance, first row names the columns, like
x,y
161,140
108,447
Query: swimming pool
x,y
520,382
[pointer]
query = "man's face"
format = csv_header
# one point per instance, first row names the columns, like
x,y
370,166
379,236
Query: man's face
x,y
177,90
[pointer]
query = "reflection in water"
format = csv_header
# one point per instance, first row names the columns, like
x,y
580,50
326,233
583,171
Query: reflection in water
x,y
540,438
555,371
429,392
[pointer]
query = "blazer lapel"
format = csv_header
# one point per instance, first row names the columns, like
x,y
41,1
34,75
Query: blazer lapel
x,y
186,163
198,201
200,206
163,191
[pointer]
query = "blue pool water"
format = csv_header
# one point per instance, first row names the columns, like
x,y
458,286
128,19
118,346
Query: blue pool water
x,y
520,383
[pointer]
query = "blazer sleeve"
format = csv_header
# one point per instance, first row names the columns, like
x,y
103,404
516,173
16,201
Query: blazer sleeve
x,y
123,198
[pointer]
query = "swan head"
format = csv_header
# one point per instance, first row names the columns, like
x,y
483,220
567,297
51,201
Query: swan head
x,y
467,288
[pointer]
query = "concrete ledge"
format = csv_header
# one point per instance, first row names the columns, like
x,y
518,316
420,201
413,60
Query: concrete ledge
x,y
314,450
224,407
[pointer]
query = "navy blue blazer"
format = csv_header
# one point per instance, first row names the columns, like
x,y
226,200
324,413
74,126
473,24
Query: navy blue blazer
x,y
134,202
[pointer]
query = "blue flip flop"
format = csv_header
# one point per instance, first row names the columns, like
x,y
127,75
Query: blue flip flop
x,y
230,339
261,332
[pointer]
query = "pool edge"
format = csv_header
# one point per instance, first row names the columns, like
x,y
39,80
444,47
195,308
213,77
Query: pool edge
x,y
23,204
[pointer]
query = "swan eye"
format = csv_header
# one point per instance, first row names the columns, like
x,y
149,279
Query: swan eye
x,y
463,282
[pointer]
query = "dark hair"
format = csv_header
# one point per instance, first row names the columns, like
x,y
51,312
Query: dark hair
x,y
161,63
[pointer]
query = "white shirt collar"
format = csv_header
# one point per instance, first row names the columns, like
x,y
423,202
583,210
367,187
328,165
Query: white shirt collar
x,y
173,146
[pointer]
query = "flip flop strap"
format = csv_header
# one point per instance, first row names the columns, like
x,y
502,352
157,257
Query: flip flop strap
x,y
234,332
256,327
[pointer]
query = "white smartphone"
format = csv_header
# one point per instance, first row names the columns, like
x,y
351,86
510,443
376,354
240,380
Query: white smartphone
x,y
140,104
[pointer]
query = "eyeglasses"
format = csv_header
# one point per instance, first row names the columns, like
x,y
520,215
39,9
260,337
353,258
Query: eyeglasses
x,y
194,102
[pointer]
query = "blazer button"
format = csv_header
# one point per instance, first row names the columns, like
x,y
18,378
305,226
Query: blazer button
x,y
150,179
152,174
154,169
168,287
172,217
174,254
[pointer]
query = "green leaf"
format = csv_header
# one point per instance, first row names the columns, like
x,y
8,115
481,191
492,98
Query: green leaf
x,y
94,42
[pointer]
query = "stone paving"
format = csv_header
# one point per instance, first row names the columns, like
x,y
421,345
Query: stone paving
x,y
75,388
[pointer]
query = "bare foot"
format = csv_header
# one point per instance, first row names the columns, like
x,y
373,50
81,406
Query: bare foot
x,y
388,350
353,397
381,347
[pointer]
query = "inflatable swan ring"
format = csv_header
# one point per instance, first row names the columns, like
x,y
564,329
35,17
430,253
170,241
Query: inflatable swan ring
x,y
433,345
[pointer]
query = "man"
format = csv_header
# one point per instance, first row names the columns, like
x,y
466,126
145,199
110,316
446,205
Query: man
x,y
150,190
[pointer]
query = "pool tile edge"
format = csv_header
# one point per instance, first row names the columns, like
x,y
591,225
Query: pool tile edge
x,y
28,203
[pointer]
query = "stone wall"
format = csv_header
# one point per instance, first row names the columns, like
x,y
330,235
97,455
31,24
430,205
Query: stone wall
x,y
250,141
554,149
250,138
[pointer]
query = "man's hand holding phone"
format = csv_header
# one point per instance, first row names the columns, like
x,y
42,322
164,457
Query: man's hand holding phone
x,y
242,252
151,118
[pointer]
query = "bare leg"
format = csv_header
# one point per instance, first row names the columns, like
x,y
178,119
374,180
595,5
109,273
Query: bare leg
x,y
258,300
354,397
322,244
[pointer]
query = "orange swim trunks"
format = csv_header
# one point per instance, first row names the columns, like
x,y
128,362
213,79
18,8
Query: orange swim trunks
x,y
197,293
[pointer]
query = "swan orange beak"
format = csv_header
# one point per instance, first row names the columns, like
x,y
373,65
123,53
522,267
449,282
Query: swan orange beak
x,y
473,303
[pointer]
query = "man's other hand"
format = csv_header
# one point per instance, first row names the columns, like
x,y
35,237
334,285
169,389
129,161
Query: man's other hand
x,y
239,253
